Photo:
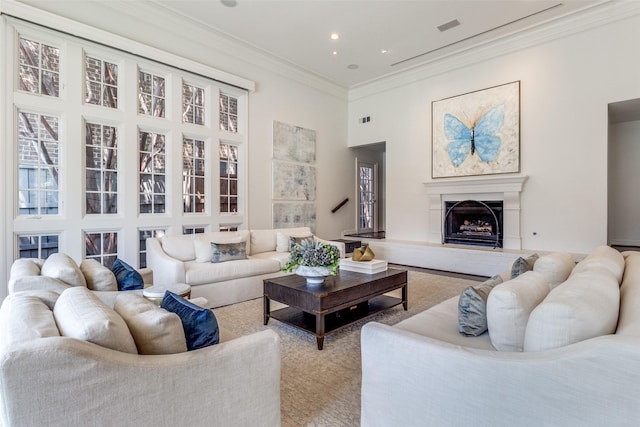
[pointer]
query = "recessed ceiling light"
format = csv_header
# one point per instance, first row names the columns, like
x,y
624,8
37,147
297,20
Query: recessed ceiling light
x,y
384,51
229,3
335,52
335,36
353,66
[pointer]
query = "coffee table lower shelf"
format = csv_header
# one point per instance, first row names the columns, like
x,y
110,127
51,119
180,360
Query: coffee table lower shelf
x,y
336,320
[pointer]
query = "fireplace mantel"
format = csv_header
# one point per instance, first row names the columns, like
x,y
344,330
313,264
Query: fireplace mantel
x,y
505,188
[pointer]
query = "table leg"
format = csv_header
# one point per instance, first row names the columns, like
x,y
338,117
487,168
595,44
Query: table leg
x,y
320,330
266,308
404,297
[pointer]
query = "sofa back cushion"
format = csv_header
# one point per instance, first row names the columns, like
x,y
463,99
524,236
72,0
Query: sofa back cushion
x,y
82,315
155,330
62,267
263,241
603,256
179,247
629,319
283,237
583,307
24,317
509,306
555,267
98,277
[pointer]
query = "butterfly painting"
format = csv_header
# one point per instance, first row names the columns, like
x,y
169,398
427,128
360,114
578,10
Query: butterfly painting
x,y
476,133
480,138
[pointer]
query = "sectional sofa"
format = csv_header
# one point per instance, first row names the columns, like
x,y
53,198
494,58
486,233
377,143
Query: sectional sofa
x,y
562,349
188,259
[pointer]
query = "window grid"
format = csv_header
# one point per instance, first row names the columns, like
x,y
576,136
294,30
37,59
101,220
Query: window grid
x,y
194,229
142,246
101,174
39,70
102,246
38,159
37,245
101,82
228,113
193,172
228,178
152,172
192,104
228,227
151,94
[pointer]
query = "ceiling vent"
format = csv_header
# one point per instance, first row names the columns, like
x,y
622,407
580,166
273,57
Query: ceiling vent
x,y
448,25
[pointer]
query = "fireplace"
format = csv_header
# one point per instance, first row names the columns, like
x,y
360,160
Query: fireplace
x,y
473,222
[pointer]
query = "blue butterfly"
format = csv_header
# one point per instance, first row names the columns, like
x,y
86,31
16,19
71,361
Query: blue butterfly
x,y
479,138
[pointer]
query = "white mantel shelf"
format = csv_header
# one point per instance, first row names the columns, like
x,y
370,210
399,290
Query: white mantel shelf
x,y
506,188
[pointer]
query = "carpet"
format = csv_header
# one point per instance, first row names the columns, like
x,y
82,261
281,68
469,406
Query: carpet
x,y
322,388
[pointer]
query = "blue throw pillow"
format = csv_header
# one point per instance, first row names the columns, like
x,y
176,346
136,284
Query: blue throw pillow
x,y
223,252
127,277
200,325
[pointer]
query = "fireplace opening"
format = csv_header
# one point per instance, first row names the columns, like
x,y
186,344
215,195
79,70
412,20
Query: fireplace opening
x,y
473,222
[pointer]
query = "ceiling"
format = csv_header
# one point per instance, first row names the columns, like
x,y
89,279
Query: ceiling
x,y
298,31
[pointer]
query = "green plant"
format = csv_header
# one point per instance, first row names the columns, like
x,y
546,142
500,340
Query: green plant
x,y
313,254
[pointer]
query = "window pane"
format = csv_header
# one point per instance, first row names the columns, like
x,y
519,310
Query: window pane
x,y
37,246
228,178
152,172
193,196
144,235
228,113
101,82
151,94
192,104
102,246
38,68
101,162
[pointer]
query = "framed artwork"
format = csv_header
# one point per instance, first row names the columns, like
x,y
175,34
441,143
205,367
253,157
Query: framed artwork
x,y
477,133
292,181
294,214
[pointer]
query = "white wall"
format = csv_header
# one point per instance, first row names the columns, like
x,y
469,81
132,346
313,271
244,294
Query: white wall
x,y
624,174
566,85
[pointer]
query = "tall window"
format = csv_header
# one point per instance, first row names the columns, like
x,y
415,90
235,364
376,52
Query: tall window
x,y
193,175
38,160
228,178
152,172
101,161
39,68
151,95
195,229
228,113
101,82
192,104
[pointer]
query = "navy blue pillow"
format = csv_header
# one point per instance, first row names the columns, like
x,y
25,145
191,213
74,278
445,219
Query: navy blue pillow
x,y
127,277
200,325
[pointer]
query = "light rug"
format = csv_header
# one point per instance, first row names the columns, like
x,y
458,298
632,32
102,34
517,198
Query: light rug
x,y
322,388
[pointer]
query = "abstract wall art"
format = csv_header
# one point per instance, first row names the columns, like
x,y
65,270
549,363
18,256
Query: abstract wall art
x,y
477,133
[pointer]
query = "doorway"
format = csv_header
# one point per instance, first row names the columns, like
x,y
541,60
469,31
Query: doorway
x,y
370,191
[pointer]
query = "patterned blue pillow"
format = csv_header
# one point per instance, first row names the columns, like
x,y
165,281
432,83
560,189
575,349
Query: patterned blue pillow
x,y
228,251
522,265
127,277
472,307
199,324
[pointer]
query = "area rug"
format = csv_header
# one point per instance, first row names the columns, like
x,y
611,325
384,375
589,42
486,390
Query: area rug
x,y
322,388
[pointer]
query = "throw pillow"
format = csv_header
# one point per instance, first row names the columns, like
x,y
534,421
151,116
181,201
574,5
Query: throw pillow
x,y
223,252
98,277
62,267
297,240
472,307
522,265
199,324
127,277
556,267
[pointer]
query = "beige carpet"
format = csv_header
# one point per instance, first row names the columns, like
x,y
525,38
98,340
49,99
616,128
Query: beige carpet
x,y
322,388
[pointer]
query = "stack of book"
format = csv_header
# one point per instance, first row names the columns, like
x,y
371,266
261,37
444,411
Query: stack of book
x,y
368,267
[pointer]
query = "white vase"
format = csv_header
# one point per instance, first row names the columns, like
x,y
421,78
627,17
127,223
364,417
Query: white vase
x,y
314,275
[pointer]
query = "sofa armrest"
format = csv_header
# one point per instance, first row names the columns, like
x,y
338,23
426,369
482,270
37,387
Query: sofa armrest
x,y
339,245
80,383
36,283
166,270
410,380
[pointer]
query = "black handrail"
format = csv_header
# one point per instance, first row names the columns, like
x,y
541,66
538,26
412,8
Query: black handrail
x,y
341,204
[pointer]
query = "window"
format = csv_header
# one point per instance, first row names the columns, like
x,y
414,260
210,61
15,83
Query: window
x,y
108,148
228,113
101,162
152,172
228,178
193,168
192,104
102,246
37,246
39,68
38,159
101,82
228,228
151,96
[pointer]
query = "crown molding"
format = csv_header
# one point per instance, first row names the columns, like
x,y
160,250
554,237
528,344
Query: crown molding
x,y
603,13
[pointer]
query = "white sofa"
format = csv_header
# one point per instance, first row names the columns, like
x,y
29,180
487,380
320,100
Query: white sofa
x,y
51,377
187,259
579,364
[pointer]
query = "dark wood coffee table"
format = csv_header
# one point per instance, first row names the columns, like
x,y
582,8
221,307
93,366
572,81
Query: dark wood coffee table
x,y
338,302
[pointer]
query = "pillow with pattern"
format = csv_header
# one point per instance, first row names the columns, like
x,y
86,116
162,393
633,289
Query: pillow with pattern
x,y
223,252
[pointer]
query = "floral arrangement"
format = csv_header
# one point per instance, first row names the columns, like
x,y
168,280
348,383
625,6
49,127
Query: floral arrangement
x,y
313,254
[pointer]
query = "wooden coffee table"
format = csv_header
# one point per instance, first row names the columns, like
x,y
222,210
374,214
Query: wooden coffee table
x,y
338,302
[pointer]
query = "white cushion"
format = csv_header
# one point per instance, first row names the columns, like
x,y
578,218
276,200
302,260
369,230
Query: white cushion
x,y
283,237
82,315
26,267
508,308
629,319
98,277
179,247
263,241
555,267
603,256
48,297
197,273
62,267
154,329
583,307
25,317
